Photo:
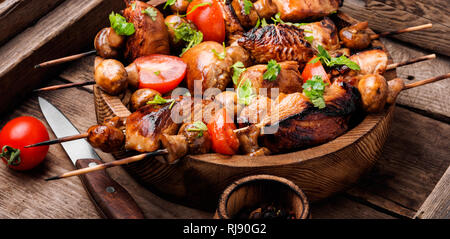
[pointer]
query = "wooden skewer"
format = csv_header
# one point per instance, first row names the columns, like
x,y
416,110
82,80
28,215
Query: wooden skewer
x,y
59,140
63,86
409,29
108,165
411,61
64,59
427,81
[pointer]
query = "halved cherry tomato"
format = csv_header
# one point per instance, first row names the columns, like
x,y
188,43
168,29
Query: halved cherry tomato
x,y
17,134
162,73
223,138
208,19
313,69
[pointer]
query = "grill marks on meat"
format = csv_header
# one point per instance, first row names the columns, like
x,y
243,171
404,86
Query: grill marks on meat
x,y
279,42
302,125
233,28
324,33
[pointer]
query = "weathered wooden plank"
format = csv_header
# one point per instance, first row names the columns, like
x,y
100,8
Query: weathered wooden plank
x,y
27,195
435,10
437,205
339,207
16,15
414,158
432,98
62,32
383,17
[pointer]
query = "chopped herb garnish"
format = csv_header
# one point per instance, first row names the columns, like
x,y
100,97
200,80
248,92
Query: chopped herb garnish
x,y
120,25
169,3
247,6
157,73
258,23
264,22
197,6
310,39
277,19
245,92
151,12
158,100
273,69
187,33
314,89
238,68
133,6
198,126
329,61
221,55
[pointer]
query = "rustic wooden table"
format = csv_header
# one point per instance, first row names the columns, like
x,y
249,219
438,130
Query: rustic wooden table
x,y
411,180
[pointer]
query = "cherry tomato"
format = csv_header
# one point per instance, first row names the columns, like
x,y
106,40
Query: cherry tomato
x,y
312,69
162,73
223,138
20,132
208,19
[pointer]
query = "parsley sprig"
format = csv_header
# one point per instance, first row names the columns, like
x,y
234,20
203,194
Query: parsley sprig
x,y
247,6
273,69
187,33
314,89
329,61
238,68
245,92
220,55
120,25
198,126
158,100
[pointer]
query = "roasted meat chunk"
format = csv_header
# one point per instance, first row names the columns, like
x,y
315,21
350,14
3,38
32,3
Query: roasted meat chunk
x,y
289,80
151,35
297,10
323,33
278,42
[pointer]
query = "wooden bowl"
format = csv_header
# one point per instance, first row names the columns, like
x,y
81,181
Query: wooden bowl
x,y
252,191
198,180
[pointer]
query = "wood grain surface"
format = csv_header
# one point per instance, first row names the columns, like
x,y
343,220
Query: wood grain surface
x,y
389,15
406,182
61,32
16,15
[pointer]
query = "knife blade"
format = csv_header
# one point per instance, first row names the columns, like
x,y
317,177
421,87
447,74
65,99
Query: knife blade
x,y
109,197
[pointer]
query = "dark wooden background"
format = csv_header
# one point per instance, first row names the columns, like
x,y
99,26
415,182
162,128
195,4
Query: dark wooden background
x,y
411,180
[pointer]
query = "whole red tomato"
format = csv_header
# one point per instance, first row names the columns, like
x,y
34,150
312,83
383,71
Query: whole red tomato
x,y
207,17
16,134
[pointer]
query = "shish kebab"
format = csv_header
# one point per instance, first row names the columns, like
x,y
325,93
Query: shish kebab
x,y
108,43
173,149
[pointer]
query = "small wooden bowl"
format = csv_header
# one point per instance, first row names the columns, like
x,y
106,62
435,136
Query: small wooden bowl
x,y
252,191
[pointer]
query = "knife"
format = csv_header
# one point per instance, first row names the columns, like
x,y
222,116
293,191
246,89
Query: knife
x,y
110,198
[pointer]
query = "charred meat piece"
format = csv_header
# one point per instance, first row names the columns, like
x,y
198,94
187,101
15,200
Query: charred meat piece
x,y
299,124
176,146
279,42
233,28
297,10
150,37
289,80
324,33
248,142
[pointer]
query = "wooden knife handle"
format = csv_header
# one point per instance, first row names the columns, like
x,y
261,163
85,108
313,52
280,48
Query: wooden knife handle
x,y
111,200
